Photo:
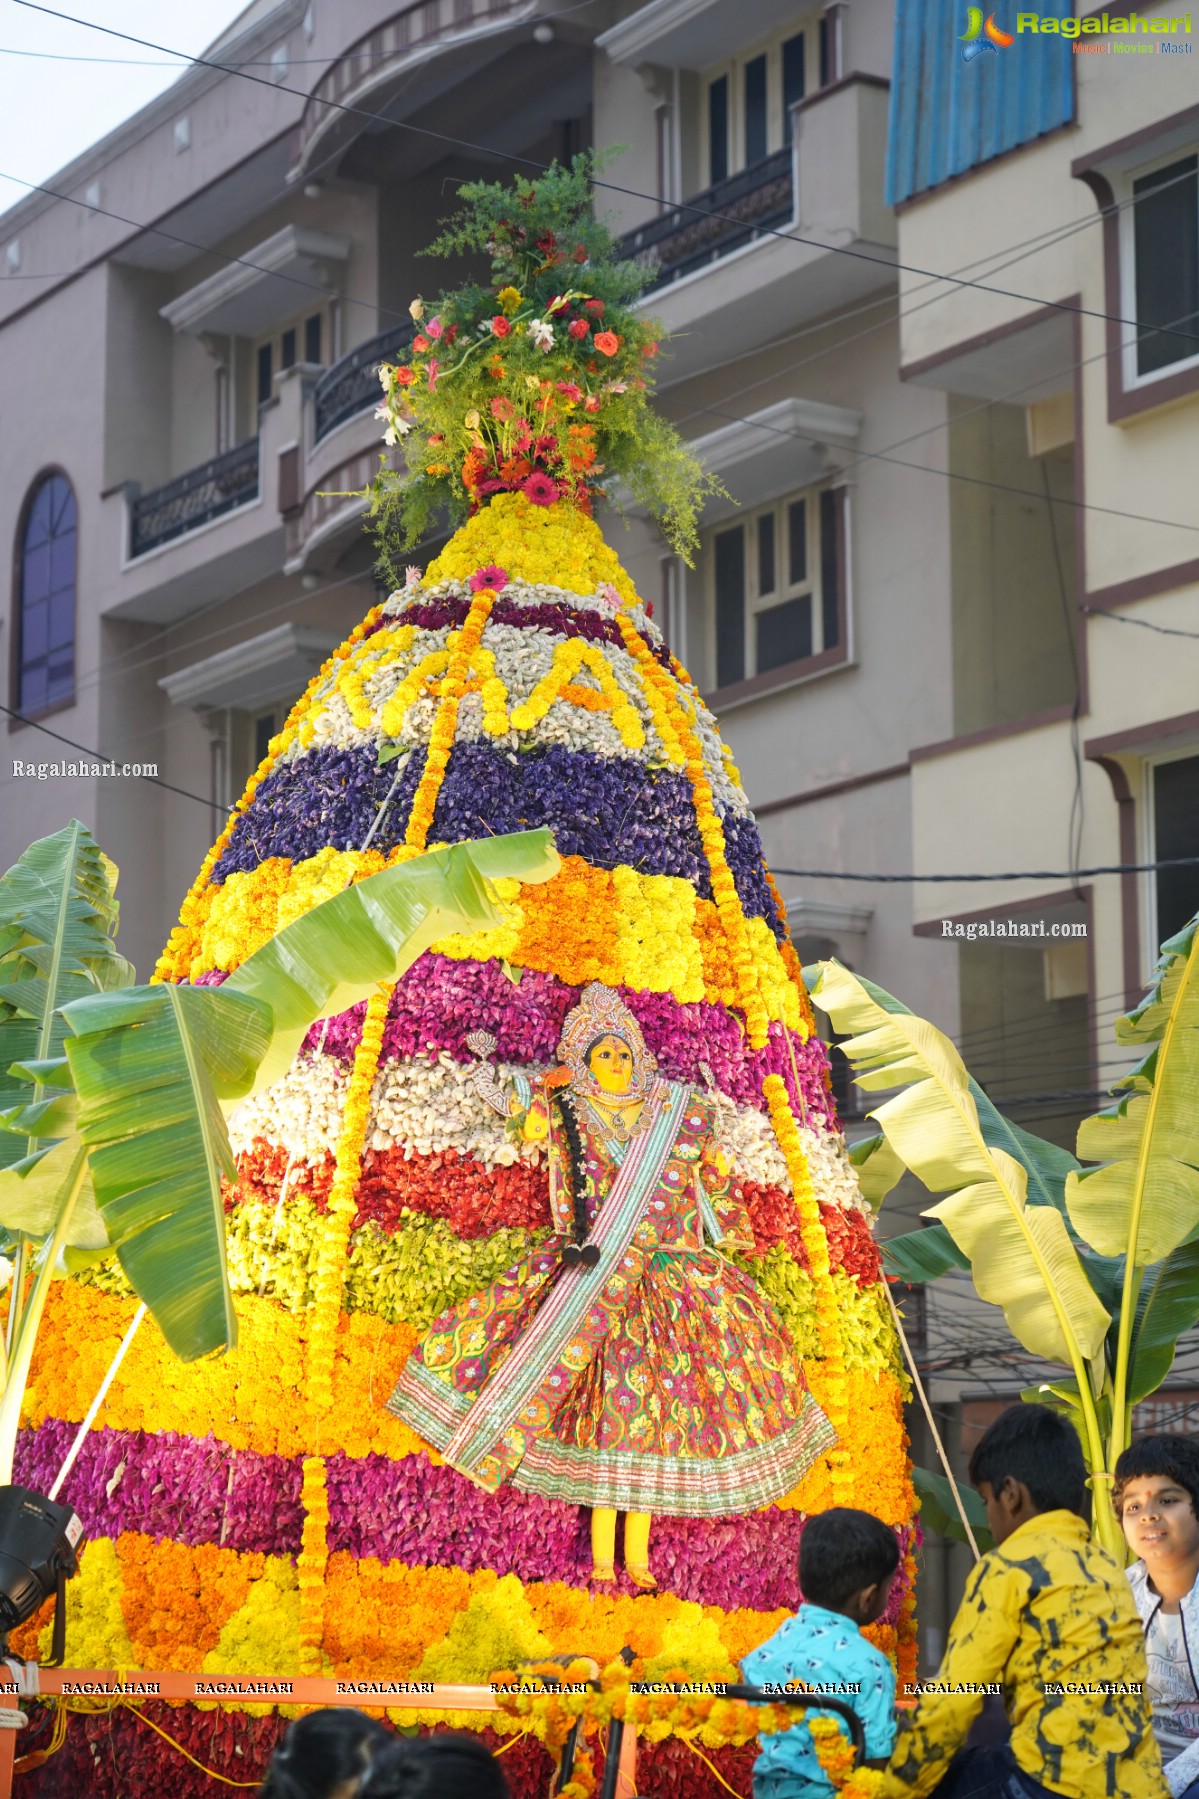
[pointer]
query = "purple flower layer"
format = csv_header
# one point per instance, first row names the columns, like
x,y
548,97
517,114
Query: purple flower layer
x,y
410,1511
448,614
327,798
191,1490
608,810
439,1000
201,1491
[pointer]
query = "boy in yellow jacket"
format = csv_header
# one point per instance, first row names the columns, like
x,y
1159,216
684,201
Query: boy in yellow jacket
x,y
1049,1618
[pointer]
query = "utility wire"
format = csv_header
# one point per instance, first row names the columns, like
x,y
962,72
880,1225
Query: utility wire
x,y
1023,874
706,212
98,756
1142,624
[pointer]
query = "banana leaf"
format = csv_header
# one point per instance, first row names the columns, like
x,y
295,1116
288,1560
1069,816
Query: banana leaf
x,y
155,1068
58,914
939,1512
31,1193
1021,1255
877,1166
1167,1305
924,1255
1144,1201
1048,1165
152,1066
338,953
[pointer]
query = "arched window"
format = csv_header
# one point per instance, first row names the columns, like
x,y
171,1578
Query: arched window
x,y
46,603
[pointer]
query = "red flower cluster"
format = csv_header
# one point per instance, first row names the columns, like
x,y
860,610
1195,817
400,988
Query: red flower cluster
x,y
775,1222
475,1201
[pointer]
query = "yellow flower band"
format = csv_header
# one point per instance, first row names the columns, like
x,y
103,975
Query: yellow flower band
x,y
666,940
142,1603
533,543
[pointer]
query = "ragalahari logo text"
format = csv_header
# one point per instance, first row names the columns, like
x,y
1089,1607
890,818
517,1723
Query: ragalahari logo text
x,y
982,34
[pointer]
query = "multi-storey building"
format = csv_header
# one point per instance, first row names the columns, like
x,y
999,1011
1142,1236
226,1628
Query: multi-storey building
x,y
1057,176
951,508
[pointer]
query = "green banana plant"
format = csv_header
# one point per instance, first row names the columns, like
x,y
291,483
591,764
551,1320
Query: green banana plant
x,y
1097,1267
122,1091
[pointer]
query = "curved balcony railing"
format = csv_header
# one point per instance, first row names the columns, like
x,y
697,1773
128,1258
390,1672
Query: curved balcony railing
x,y
193,499
682,240
387,51
352,383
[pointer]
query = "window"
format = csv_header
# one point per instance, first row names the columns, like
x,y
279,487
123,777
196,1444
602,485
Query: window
x,y
718,129
46,602
749,101
778,587
1165,234
1175,801
280,350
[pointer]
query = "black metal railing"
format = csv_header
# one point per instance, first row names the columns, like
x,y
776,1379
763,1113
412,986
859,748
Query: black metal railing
x,y
352,384
683,239
191,500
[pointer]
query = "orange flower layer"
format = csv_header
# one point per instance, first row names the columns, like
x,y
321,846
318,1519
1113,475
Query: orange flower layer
x,y
227,1612
251,1398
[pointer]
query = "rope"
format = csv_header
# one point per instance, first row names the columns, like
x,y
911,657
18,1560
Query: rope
x,y
711,1768
518,1738
186,1753
928,1413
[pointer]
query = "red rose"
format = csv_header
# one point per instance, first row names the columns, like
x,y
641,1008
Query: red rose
x,y
591,403
405,376
580,253
595,306
578,328
420,342
607,343
500,326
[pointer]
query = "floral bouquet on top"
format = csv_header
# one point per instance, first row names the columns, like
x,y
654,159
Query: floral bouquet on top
x,y
538,382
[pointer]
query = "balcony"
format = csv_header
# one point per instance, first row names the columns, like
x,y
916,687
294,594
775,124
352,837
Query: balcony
x,y
681,241
377,70
194,499
351,385
775,257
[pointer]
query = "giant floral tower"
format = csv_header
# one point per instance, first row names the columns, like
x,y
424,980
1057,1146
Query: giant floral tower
x,y
265,1513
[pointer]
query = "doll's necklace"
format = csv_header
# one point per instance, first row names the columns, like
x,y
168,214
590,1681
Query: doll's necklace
x,y
613,1124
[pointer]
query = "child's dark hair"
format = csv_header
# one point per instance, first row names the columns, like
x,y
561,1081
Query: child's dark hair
x,y
445,1766
1176,1458
840,1552
1032,1444
321,1752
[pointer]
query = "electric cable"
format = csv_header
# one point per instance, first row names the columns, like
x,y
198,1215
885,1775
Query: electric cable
x,y
1142,624
98,757
1026,874
892,265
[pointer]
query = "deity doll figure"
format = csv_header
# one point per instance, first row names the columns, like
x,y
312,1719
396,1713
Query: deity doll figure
x,y
626,1364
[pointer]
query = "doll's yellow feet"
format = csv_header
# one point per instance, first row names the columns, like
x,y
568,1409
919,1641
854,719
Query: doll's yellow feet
x,y
603,1571
640,1577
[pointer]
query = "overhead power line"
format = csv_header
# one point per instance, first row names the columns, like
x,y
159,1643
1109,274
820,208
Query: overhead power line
x,y
1020,874
529,162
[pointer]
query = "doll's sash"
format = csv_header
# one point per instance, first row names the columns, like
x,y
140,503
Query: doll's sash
x,y
499,1405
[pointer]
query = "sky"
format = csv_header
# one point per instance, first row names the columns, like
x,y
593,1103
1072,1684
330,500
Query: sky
x,y
52,109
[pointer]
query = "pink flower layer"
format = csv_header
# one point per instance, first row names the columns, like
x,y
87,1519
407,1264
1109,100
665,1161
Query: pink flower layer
x,y
440,1000
409,1510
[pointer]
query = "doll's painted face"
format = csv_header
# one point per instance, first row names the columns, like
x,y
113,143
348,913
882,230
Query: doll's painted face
x,y
610,1061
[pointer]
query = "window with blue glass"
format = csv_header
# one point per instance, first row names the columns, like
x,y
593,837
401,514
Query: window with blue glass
x,y
46,563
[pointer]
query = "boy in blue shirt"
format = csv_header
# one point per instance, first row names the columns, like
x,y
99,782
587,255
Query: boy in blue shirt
x,y
847,1564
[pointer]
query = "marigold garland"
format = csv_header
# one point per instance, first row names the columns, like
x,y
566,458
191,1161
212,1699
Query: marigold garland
x,y
328,1285
816,1244
171,965
834,1752
464,647
711,831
